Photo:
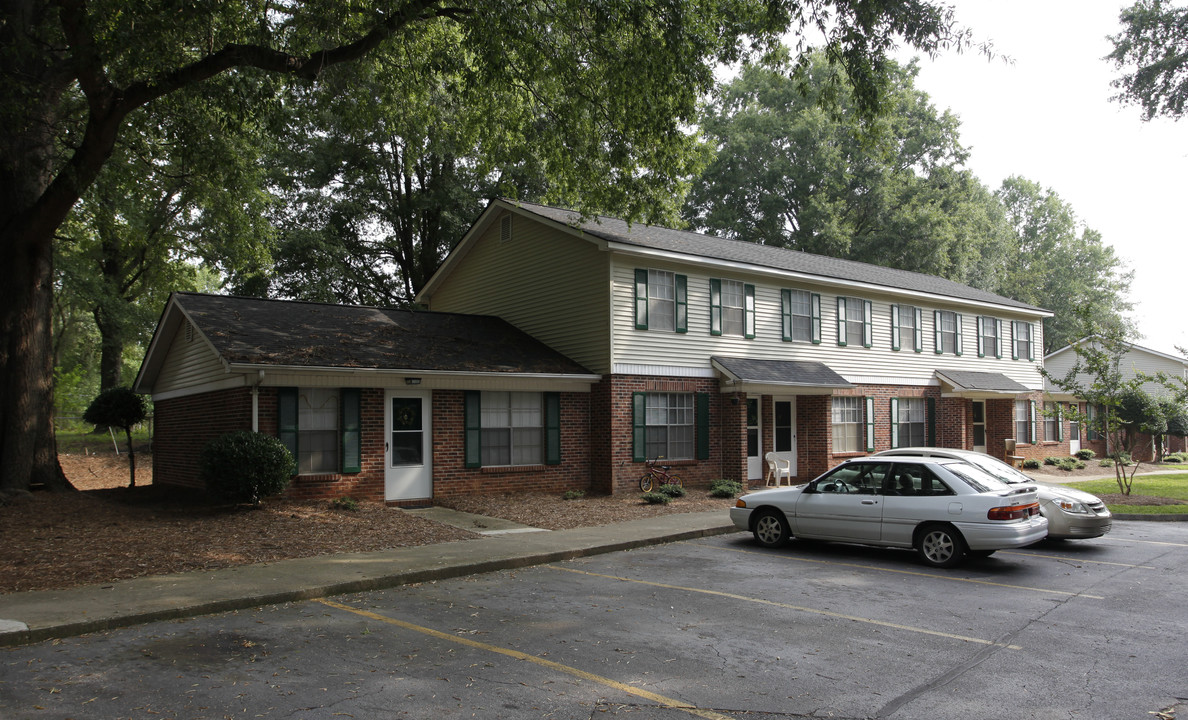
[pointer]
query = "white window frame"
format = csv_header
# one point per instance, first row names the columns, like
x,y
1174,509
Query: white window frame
x,y
671,430
847,423
512,428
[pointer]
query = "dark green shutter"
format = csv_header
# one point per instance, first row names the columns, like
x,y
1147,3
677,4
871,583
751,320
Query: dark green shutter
x,y
472,422
352,436
895,343
957,342
815,304
552,402
682,303
936,327
1031,423
869,411
786,314
286,418
867,323
641,299
981,336
930,409
639,427
703,426
715,306
894,422
919,330
841,322
748,311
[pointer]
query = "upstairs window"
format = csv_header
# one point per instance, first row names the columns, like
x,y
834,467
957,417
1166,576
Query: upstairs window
x,y
947,326
989,331
732,308
854,322
907,328
1022,344
661,301
801,316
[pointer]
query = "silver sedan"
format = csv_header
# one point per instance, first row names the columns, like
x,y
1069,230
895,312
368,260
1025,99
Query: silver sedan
x,y
943,508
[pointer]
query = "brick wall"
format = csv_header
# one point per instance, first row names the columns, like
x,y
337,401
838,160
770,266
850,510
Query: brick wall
x,y
183,426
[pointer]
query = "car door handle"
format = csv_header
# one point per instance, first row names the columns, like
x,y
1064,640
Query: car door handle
x,y
870,502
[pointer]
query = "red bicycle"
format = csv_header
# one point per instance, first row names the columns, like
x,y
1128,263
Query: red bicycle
x,y
658,475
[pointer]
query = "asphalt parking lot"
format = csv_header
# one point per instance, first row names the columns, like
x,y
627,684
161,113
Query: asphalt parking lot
x,y
715,628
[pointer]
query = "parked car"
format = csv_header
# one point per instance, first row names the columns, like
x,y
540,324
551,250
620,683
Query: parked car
x,y
1071,513
943,508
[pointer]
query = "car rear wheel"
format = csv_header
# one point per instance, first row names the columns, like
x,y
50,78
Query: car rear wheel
x,y
771,528
940,545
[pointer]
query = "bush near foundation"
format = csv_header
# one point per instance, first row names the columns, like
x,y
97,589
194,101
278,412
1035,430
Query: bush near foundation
x,y
244,467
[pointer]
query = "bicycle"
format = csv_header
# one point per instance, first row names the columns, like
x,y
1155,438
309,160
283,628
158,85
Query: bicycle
x,y
658,475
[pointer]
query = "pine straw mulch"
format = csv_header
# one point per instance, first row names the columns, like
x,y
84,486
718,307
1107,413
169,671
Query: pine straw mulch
x,y
108,532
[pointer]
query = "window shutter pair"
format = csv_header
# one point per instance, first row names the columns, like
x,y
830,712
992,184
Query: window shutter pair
x,y
472,439
986,326
350,425
639,426
938,336
814,316
867,321
715,285
680,288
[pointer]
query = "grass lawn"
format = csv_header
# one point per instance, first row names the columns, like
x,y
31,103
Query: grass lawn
x,y
1169,486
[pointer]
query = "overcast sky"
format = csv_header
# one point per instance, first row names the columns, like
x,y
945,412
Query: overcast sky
x,y
1048,117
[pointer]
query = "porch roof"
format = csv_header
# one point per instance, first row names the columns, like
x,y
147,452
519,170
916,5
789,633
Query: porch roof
x,y
806,377
965,383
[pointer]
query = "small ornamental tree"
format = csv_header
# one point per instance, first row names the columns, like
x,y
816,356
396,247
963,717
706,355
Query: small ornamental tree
x,y
122,408
243,467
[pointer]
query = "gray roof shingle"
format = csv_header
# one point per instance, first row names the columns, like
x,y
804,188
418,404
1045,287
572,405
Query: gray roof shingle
x,y
765,256
300,334
984,381
808,373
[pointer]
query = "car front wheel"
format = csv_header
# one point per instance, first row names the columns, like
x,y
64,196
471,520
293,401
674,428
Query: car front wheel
x,y
771,528
940,546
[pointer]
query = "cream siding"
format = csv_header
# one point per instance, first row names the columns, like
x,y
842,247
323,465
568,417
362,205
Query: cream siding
x,y
549,284
1136,361
878,364
190,363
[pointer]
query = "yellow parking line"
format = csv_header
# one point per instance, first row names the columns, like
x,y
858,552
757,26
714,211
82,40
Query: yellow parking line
x,y
1077,559
663,701
921,574
800,608
1151,542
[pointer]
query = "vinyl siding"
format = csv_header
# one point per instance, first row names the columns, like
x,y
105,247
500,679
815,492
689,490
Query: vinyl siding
x,y
189,363
878,364
1136,361
549,284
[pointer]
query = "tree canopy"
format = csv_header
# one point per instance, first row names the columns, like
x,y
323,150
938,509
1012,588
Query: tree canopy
x,y
1152,52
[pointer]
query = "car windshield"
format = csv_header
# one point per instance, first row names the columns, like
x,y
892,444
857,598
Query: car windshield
x,y
976,478
1000,470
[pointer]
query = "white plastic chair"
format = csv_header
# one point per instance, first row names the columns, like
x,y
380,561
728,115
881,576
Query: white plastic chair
x,y
777,468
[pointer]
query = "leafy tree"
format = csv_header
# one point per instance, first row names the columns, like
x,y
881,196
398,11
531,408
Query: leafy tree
x,y
615,84
797,167
122,408
1152,50
1058,264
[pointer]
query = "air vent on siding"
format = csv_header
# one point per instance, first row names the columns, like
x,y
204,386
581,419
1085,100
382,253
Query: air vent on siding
x,y
189,331
505,228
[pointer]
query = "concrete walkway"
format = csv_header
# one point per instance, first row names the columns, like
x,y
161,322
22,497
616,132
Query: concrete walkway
x,y
34,616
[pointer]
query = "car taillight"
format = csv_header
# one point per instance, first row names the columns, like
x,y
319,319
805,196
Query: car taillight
x,y
1013,512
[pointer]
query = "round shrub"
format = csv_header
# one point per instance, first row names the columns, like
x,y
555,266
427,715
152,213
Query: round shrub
x,y
573,495
241,467
655,498
1067,464
723,488
1031,464
672,490
1085,454
1106,462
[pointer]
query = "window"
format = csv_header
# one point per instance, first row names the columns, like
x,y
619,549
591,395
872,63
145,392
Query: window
x,y
988,334
1024,421
669,426
948,332
661,301
853,322
847,424
1022,345
512,428
1092,429
907,331
320,427
1053,422
801,311
732,308
908,426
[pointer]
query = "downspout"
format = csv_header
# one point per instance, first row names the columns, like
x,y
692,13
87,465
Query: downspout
x,y
256,401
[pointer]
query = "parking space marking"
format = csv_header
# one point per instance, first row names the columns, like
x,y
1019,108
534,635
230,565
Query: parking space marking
x,y
919,574
1066,558
665,702
789,606
1151,542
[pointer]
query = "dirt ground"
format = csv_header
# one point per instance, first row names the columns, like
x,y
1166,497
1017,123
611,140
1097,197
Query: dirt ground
x,y
108,532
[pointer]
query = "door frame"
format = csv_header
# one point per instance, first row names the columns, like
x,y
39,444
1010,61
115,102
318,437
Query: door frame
x,y
755,464
789,455
409,482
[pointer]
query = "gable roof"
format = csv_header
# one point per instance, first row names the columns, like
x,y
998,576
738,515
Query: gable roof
x,y
1131,348
278,333
699,247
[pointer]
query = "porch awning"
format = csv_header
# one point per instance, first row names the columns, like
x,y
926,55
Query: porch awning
x,y
799,377
964,383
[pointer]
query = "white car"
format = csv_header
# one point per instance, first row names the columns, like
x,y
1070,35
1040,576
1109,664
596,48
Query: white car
x,y
943,508
1071,513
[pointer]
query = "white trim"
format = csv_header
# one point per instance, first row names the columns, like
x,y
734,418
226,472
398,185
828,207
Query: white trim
x,y
662,370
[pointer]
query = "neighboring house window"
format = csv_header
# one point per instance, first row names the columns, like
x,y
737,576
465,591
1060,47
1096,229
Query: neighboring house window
x,y
853,322
661,301
948,332
732,308
321,428
1025,421
989,331
847,424
1022,343
908,422
1053,422
512,428
801,312
907,328
1092,432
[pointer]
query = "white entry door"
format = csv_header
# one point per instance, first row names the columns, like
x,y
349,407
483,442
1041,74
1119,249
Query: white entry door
x,y
755,469
979,426
408,446
1074,434
784,432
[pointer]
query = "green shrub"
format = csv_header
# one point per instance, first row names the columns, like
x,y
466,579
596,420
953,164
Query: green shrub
x,y
344,503
1122,458
1031,463
243,466
1085,454
723,488
573,495
655,498
1066,464
1052,460
672,490
1106,462
1079,464
1178,458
